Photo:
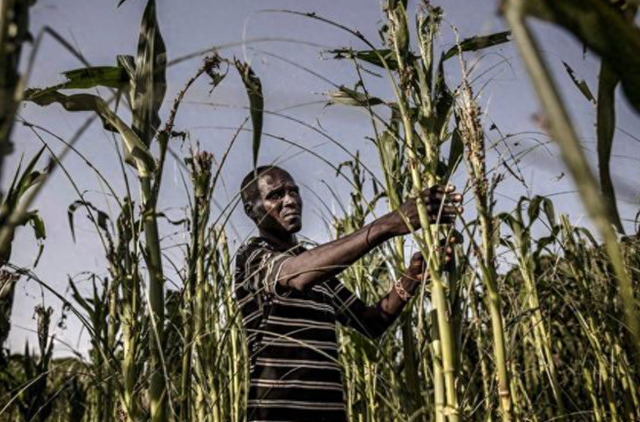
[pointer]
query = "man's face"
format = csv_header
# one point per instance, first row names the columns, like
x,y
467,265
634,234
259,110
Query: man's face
x,y
280,207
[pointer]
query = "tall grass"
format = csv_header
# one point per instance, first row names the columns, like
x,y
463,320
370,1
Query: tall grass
x,y
535,337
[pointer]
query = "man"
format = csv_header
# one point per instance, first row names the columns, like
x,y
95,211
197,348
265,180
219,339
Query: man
x,y
290,299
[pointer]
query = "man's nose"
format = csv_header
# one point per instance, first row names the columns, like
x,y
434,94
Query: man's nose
x,y
290,200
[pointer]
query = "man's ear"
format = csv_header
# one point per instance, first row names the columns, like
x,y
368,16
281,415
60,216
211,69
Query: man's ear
x,y
249,210
254,210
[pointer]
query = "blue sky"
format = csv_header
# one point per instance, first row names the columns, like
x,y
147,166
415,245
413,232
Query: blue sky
x,y
253,30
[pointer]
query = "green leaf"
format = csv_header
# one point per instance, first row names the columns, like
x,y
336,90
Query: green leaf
x,y
601,28
128,65
102,219
23,180
402,30
549,210
444,103
581,84
374,57
81,300
585,233
16,176
392,4
150,83
477,43
29,177
108,76
605,129
38,225
136,152
534,209
171,221
514,224
350,97
428,26
256,104
543,242
455,153
389,148
74,102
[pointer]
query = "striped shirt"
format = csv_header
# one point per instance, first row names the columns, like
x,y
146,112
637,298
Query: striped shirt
x,y
293,353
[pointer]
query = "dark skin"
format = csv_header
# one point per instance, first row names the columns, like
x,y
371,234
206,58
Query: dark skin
x,y
278,214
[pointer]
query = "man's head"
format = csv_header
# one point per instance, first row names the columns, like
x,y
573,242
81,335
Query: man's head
x,y
272,200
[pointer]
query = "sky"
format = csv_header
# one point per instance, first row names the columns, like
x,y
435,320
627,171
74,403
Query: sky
x,y
288,53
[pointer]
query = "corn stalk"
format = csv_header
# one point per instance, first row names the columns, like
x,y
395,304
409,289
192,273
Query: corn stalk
x,y
146,87
472,134
14,31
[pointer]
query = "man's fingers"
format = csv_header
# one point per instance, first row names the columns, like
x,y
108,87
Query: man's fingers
x,y
451,210
439,201
439,195
456,197
443,220
447,249
456,237
448,253
440,189
416,267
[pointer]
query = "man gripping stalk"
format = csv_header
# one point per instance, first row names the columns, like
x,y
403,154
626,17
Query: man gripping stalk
x,y
290,298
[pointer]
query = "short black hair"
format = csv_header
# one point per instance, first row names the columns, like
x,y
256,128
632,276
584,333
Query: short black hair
x,y
249,191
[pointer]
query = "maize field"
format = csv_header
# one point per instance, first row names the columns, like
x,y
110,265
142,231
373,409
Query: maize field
x,y
536,318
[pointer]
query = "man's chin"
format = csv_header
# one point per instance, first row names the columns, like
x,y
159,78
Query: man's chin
x,y
292,224
288,228
294,228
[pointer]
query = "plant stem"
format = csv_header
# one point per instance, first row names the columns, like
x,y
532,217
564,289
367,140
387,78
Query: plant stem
x,y
473,136
157,382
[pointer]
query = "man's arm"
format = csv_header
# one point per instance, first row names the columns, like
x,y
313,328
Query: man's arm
x,y
325,261
373,321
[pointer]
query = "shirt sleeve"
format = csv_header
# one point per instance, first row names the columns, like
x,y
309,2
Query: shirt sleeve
x,y
262,271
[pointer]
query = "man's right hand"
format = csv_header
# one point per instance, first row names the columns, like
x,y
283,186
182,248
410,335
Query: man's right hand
x,y
442,204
